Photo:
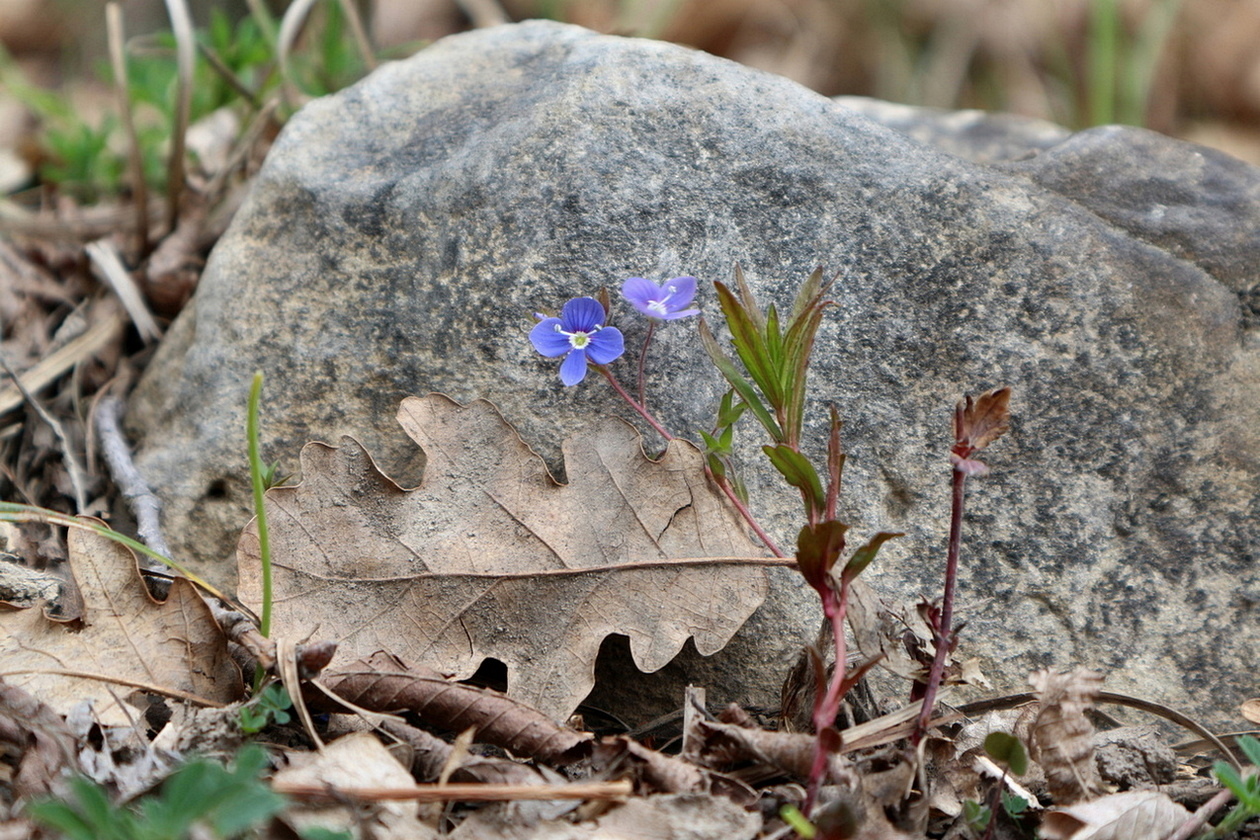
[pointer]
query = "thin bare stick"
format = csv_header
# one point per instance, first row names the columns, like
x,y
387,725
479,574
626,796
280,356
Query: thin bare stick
x,y
46,371
135,160
104,257
483,13
78,475
1200,818
359,33
290,26
145,506
185,62
460,792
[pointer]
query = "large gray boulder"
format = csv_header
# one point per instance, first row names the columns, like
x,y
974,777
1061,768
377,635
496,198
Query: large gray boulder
x,y
402,233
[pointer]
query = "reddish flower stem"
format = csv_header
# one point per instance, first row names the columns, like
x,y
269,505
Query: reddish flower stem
x,y
944,629
826,708
647,339
735,500
643,412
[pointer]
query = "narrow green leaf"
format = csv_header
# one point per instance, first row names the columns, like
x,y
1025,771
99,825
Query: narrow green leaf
x,y
749,301
812,288
800,473
716,466
727,438
711,444
738,382
774,341
865,555
750,345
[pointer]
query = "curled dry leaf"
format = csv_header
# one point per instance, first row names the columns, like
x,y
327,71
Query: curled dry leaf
x,y
1132,815
657,772
384,683
1250,709
979,422
490,557
1062,736
36,739
123,640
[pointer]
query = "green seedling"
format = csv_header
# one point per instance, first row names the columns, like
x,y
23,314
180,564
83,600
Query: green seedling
x,y
271,705
200,799
1010,753
1244,786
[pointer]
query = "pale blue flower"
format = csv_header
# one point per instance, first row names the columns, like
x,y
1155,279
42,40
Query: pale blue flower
x,y
577,334
664,302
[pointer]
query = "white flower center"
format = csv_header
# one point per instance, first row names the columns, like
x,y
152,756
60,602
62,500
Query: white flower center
x,y
579,339
658,306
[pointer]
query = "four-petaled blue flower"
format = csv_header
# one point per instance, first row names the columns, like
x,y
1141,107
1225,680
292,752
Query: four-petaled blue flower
x,y
579,332
665,301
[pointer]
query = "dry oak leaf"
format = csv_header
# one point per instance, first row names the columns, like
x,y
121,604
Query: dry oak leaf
x,y
491,557
1131,815
124,640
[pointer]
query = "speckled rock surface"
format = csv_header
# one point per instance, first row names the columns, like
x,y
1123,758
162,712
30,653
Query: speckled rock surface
x,y
402,233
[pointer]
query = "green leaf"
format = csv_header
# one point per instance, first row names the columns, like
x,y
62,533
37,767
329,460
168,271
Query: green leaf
x,y
750,345
864,556
711,444
738,382
976,815
727,439
1014,804
1009,750
749,301
812,288
800,473
1250,747
730,411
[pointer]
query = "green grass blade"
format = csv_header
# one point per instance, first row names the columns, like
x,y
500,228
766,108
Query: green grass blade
x,y
256,468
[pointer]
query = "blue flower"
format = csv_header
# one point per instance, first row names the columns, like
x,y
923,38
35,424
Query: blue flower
x,y
665,301
579,332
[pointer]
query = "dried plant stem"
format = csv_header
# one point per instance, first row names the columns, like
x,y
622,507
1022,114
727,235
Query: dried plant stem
x,y
944,625
78,476
185,59
1200,818
144,504
460,792
135,161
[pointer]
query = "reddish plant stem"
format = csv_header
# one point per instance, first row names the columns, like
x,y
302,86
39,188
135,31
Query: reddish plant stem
x,y
735,500
945,622
643,412
647,339
826,708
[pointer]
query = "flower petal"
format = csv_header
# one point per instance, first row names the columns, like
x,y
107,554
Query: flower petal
x,y
640,293
547,341
674,316
573,369
606,345
684,289
582,314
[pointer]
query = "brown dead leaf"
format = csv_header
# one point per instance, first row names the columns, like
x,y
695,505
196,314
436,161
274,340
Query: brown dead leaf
x,y
124,640
1062,736
979,422
490,557
354,761
383,683
1132,815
